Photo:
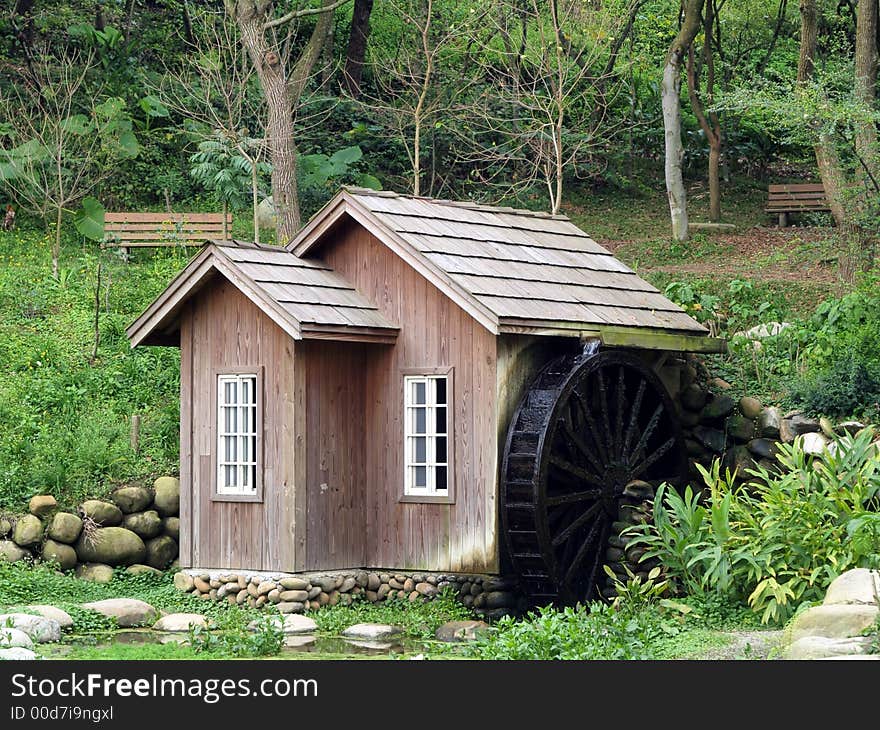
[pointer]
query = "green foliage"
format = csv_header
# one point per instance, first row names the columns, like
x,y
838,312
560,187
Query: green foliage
x,y
418,620
779,540
89,220
225,167
231,637
597,632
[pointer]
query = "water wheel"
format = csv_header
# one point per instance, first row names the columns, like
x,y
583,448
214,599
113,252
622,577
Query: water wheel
x,y
587,426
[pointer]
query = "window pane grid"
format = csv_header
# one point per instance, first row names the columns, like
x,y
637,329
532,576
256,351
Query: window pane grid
x,y
237,434
426,435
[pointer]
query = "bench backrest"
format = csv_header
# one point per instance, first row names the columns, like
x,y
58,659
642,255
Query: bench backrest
x,y
163,229
804,196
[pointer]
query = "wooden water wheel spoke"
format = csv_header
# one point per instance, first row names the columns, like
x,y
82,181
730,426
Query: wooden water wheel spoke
x,y
644,465
578,442
576,524
573,497
634,415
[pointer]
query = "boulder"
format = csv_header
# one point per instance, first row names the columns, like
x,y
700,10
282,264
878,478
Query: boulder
x,y
292,583
768,423
721,406
796,425
40,629
819,647
719,384
28,531
763,448
144,524
636,489
183,582
12,552
65,527
813,443
711,438
10,637
290,624
42,505
499,599
835,621
693,397
95,572
371,632
856,586
180,622
138,569
290,607
171,527
461,630
17,653
59,553
161,551
827,427
112,546
741,428
848,428
132,499
294,596
739,459
128,612
104,513
5,526
426,589
56,614
750,407
167,499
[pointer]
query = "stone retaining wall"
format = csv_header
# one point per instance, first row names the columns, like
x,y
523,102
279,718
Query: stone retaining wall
x,y
490,596
139,528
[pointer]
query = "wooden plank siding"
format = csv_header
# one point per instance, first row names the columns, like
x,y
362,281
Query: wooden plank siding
x,y
223,329
434,332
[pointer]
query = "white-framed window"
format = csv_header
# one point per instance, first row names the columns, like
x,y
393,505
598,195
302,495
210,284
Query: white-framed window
x,y
237,434
427,442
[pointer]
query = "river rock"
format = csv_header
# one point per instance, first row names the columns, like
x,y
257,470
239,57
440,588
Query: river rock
x,y
636,489
794,426
819,647
750,407
500,599
291,624
95,572
17,653
711,438
835,621
426,589
183,582
12,552
293,583
721,406
856,586
167,499
104,513
41,630
741,428
65,527
113,546
461,630
848,428
693,397
10,637
301,596
739,459
42,505
28,531
139,569
372,632
180,622
290,607
171,527
763,448
347,585
768,422
373,582
813,443
128,612
59,553
827,427
51,612
144,524
161,551
5,526
132,499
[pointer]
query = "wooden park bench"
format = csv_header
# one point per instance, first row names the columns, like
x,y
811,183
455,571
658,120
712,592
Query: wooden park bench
x,y
802,198
152,230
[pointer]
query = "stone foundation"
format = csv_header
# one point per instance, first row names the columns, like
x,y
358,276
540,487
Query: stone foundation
x,y
490,596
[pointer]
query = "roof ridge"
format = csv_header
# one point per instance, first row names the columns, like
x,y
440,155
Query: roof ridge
x,y
467,204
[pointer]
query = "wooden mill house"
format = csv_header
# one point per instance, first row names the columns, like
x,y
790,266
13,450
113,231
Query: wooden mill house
x,y
386,391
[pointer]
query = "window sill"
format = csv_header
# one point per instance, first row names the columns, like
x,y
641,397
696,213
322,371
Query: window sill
x,y
426,499
236,497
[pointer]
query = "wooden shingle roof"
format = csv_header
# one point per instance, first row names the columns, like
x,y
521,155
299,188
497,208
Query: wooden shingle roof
x,y
515,270
302,296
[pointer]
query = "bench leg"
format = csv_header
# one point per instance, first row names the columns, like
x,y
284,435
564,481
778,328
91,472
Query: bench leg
x,y
783,220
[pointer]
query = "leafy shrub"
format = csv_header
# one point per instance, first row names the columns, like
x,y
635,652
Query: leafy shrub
x,y
232,637
779,540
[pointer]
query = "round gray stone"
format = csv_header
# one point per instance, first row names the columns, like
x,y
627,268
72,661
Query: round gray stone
x,y
105,514
132,499
60,553
161,551
128,612
65,527
42,505
11,552
28,531
94,572
10,637
171,527
144,524
167,499
40,629
112,546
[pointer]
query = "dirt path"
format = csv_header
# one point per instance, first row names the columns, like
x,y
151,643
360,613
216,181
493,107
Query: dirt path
x,y
746,645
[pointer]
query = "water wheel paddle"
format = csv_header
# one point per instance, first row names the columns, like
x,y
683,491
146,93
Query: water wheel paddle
x,y
587,426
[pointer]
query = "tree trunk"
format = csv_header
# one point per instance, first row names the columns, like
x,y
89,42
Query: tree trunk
x,y
671,99
809,40
225,219
866,85
56,245
255,198
352,73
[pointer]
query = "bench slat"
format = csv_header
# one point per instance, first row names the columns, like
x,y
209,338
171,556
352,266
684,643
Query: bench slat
x,y
162,217
806,188
148,229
